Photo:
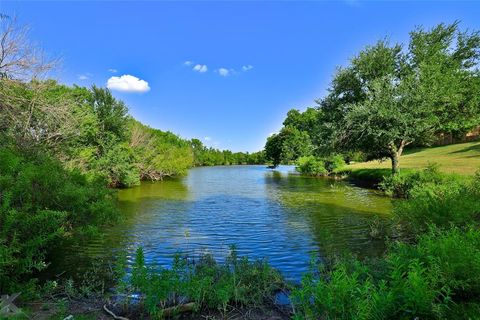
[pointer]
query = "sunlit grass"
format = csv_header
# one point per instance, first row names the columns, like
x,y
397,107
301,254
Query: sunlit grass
x,y
462,158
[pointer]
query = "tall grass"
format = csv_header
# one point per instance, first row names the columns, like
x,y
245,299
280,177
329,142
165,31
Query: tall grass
x,y
204,282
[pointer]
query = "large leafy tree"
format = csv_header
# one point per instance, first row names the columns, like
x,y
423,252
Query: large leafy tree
x,y
351,85
388,120
388,98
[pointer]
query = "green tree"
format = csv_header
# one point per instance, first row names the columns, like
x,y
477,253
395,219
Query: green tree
x,y
288,145
159,154
387,98
273,149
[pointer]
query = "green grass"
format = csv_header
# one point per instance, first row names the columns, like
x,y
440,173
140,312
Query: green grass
x,y
462,158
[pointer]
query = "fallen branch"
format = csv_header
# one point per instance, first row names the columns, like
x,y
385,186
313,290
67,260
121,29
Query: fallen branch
x,y
187,307
113,314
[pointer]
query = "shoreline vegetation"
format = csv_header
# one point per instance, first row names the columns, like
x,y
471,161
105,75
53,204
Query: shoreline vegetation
x,y
64,150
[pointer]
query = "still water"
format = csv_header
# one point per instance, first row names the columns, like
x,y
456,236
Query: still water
x,y
272,214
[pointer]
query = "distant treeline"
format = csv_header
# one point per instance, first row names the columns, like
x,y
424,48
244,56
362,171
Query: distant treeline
x,y
204,156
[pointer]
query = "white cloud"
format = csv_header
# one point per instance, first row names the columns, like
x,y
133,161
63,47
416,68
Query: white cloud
x,y
247,67
113,70
188,63
223,72
83,77
207,139
127,83
200,68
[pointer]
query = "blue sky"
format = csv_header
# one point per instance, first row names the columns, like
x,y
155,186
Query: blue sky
x,y
248,62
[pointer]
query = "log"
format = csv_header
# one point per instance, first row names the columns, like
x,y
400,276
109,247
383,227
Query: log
x,y
113,314
187,307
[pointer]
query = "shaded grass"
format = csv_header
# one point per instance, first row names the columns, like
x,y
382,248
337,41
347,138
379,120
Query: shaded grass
x,y
462,158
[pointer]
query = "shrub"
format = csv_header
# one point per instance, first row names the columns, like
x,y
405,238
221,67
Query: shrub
x,y
40,203
310,165
313,166
452,203
334,163
400,185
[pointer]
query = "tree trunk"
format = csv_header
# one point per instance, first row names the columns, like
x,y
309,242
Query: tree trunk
x,y
395,154
394,158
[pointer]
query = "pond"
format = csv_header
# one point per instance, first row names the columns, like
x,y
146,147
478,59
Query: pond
x,y
273,214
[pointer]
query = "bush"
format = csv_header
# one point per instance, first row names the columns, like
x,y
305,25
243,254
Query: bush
x,y
334,163
454,202
310,165
40,203
400,185
313,166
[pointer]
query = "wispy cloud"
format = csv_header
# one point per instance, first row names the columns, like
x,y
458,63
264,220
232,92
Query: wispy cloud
x,y
207,138
224,72
128,83
83,76
202,68
112,70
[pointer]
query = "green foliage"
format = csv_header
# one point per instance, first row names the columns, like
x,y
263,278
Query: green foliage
x,y
273,149
159,154
453,202
311,165
402,184
408,96
210,285
111,113
41,203
431,272
334,163
315,166
355,156
288,145
353,290
103,148
454,254
117,166
204,156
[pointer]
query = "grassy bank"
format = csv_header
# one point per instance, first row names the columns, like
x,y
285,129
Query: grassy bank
x,y
462,158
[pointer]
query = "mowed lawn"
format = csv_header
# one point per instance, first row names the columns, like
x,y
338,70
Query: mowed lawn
x,y
462,158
